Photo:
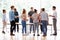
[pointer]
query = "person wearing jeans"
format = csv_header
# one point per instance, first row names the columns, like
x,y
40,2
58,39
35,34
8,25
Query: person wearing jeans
x,y
24,19
24,26
30,13
44,27
44,21
35,18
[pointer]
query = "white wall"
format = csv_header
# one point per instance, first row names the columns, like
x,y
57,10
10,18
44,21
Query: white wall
x,y
20,4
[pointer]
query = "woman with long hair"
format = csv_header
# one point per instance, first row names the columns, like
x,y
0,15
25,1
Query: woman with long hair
x,y
24,19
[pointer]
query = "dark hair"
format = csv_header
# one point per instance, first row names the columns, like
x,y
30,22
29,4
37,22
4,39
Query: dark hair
x,y
12,7
31,7
35,10
43,9
54,7
24,11
4,10
15,9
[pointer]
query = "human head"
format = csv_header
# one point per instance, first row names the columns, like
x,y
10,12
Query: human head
x,y
43,9
35,10
31,8
12,7
54,8
15,9
24,11
4,11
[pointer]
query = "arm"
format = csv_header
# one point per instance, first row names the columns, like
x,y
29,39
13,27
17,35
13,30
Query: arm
x,y
48,19
39,18
51,16
32,17
17,15
9,15
29,15
26,17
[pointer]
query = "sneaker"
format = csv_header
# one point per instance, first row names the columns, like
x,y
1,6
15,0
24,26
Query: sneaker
x,y
33,34
12,34
54,34
38,35
44,35
17,31
22,34
3,32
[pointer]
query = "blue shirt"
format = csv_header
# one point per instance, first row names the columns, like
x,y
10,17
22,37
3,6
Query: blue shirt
x,y
11,15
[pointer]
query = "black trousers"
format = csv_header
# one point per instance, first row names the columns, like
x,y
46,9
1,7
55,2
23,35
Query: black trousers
x,y
16,25
41,27
12,23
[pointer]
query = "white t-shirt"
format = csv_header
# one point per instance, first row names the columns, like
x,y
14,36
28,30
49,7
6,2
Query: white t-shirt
x,y
4,17
35,18
55,14
44,16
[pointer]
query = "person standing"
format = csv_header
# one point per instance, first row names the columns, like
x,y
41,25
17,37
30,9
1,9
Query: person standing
x,y
24,19
16,19
4,20
35,18
54,19
30,13
12,20
40,21
44,21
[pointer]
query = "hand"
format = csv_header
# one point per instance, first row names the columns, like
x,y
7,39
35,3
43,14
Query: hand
x,y
26,19
50,15
15,16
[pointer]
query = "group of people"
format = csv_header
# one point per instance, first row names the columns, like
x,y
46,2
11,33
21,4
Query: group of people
x,y
36,18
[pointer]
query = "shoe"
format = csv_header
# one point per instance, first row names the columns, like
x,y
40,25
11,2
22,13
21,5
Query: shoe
x,y
14,30
12,34
38,35
23,34
54,34
33,34
17,31
3,32
30,32
44,35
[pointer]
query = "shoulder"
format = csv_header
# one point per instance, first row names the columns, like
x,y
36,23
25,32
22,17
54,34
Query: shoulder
x,y
16,12
29,11
10,11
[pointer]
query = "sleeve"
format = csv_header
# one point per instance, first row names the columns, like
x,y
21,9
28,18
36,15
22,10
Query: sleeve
x,y
33,15
28,13
55,14
9,15
17,14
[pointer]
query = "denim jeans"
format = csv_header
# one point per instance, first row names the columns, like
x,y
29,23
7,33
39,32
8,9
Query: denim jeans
x,y
31,28
44,27
36,27
23,26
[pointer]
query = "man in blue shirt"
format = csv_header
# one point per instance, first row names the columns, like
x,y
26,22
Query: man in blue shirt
x,y
12,20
